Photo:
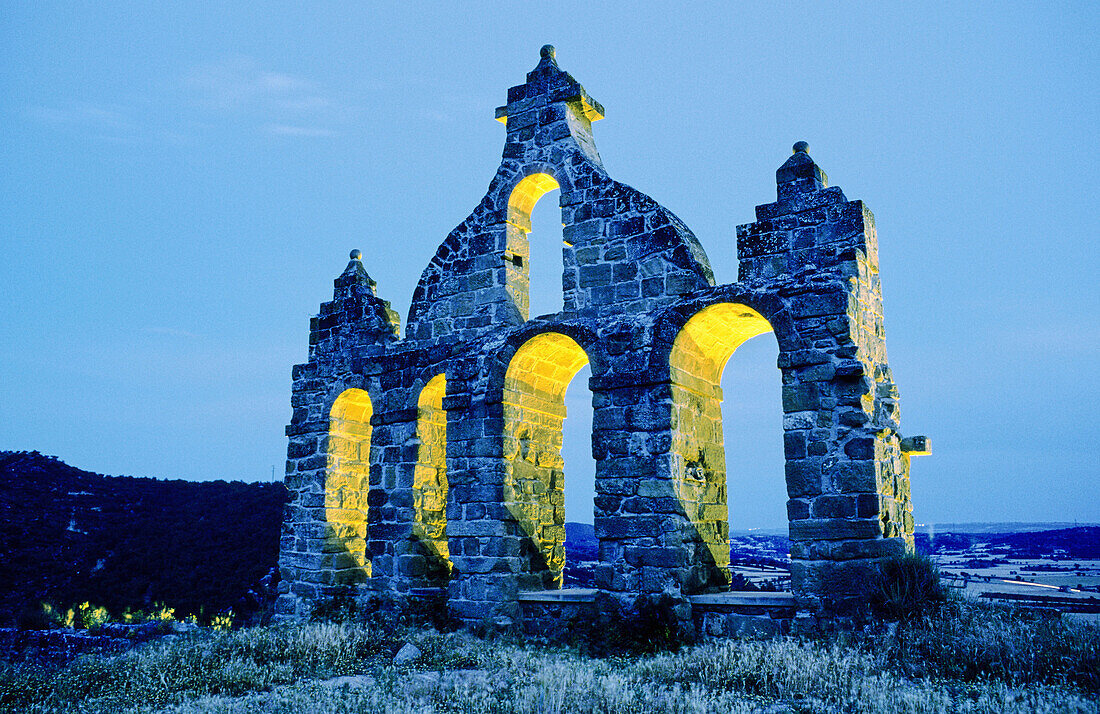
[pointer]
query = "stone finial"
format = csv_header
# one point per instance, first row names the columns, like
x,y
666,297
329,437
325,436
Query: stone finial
x,y
354,274
547,84
799,174
355,301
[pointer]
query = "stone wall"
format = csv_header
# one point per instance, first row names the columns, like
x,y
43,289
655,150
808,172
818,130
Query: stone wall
x,y
434,460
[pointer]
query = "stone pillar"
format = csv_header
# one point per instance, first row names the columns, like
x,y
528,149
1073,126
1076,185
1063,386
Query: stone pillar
x,y
344,336
486,546
846,478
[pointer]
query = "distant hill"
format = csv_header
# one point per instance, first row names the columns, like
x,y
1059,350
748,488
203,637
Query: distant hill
x,y
1081,542
997,527
580,542
68,535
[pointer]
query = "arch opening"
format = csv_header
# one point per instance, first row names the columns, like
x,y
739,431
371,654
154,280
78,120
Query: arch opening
x,y
430,484
699,355
535,384
347,483
517,254
546,294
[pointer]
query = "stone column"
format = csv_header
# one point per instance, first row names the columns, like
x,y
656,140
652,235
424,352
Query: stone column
x,y
847,482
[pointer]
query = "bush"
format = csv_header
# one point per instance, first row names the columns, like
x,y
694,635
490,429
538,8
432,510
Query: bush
x,y
41,617
338,607
980,641
651,626
908,586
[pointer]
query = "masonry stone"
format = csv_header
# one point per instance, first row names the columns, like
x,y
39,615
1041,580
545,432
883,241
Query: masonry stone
x,y
431,462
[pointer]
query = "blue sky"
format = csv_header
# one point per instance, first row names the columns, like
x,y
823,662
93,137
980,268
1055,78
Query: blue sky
x,y
179,186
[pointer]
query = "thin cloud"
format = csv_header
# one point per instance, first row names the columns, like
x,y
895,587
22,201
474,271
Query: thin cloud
x,y
111,120
281,104
289,130
172,332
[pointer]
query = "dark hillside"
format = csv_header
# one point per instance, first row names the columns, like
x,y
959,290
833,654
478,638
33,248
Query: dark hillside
x,y
69,536
1081,542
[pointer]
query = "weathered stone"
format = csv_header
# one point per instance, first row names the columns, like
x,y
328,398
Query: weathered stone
x,y
408,654
433,462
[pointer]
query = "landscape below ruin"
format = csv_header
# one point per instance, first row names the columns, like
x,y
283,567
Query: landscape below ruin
x,y
135,543
187,570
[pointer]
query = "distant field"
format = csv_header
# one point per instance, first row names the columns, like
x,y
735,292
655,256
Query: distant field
x,y
1062,573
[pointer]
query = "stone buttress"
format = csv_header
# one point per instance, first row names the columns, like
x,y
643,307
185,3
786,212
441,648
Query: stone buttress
x,y
430,466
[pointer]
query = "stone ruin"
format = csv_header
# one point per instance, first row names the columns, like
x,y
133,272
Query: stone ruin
x,y
430,466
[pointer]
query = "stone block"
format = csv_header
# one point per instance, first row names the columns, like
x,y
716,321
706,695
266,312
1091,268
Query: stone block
x,y
801,398
803,477
835,528
833,507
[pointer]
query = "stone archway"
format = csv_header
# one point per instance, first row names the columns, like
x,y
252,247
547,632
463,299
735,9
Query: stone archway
x,y
517,254
534,411
429,529
347,484
699,354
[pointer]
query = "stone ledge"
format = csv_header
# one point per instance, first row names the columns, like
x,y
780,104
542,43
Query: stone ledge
x,y
559,596
723,601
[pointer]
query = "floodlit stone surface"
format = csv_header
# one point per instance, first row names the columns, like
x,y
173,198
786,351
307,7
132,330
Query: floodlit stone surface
x,y
434,461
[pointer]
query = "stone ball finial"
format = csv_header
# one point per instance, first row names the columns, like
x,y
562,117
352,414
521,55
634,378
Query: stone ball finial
x,y
547,52
800,147
356,254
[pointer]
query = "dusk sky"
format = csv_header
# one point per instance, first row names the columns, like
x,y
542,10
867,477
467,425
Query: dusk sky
x,y
180,185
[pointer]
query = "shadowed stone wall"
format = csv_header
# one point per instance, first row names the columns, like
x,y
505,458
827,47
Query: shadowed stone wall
x,y
434,461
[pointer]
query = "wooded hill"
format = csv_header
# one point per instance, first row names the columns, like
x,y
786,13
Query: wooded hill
x,y
69,536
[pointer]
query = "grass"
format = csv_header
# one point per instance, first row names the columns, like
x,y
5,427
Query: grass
x,y
964,658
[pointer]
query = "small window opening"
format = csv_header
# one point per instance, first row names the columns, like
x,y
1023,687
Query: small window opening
x,y
545,266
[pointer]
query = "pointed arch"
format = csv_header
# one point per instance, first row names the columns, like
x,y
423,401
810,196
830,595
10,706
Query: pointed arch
x,y
347,483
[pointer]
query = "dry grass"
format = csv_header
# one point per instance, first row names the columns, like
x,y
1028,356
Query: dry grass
x,y
292,669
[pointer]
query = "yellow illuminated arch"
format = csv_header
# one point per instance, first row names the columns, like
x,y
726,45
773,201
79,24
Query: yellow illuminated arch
x,y
534,411
524,197
430,478
699,354
347,482
517,255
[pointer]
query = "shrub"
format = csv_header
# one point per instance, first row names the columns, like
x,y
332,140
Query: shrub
x,y
651,626
908,586
134,617
222,621
90,617
978,641
163,613
340,606
42,617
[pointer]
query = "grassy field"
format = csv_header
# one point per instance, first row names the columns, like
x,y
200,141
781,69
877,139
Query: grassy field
x,y
964,658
